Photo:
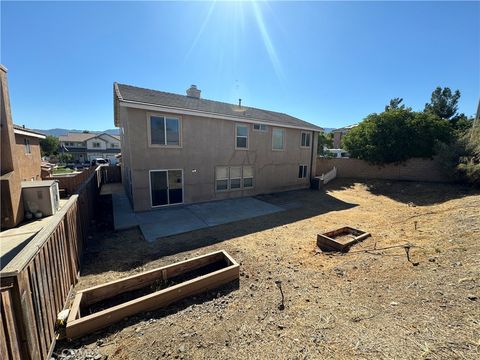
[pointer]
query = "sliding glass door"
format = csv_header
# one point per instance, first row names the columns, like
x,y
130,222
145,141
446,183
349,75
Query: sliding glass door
x,y
166,187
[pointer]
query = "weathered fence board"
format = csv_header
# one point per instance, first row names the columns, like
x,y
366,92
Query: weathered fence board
x,y
36,283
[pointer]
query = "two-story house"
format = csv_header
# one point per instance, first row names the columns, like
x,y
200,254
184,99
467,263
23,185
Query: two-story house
x,y
85,147
185,149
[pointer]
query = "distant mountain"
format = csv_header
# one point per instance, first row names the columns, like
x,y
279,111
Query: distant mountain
x,y
57,131
328,130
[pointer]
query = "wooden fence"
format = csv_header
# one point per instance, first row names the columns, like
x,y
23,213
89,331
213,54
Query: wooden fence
x,y
111,174
36,284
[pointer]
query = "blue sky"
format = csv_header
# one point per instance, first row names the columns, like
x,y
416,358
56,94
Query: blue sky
x,y
328,63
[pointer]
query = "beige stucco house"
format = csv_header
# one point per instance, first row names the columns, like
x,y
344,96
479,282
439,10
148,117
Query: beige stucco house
x,y
184,149
84,147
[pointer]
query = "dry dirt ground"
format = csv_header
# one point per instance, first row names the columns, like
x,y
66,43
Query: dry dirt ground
x,y
362,304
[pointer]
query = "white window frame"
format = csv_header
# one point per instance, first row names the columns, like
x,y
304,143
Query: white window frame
x,y
304,171
222,179
307,135
243,177
26,146
264,130
237,125
168,194
230,178
284,138
96,144
149,130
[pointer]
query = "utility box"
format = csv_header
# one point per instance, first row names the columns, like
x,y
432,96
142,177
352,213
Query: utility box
x,y
41,196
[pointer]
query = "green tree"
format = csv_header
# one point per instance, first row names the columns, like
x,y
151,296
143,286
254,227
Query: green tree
x,y
396,135
396,104
65,158
324,139
443,103
49,145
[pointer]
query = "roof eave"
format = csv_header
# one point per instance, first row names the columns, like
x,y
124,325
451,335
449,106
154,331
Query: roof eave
x,y
176,110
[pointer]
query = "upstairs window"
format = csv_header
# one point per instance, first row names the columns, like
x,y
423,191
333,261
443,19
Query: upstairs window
x,y
302,171
113,145
164,131
241,136
96,144
26,145
260,127
305,142
278,139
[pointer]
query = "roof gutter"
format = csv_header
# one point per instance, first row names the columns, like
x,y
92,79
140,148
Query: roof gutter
x,y
28,133
182,111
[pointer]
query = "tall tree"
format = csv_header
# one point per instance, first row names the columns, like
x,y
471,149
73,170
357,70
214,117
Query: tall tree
x,y
49,145
443,103
396,135
395,104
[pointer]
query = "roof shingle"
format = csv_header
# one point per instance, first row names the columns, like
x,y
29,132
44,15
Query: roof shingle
x,y
154,97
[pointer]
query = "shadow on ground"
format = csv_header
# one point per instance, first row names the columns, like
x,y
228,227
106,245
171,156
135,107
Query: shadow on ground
x,y
127,250
416,193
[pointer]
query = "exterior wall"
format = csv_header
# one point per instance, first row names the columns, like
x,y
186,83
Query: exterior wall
x,y
110,140
29,165
90,142
11,210
412,170
207,143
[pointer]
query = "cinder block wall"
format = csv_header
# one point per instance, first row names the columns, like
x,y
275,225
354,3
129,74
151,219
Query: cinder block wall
x,y
416,169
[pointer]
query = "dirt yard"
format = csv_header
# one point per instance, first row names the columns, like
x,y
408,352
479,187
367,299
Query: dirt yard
x,y
363,304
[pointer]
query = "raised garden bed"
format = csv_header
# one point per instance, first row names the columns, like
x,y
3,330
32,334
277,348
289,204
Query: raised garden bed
x,y
341,239
103,305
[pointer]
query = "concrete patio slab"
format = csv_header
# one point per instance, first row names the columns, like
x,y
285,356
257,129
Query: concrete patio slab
x,y
169,221
225,211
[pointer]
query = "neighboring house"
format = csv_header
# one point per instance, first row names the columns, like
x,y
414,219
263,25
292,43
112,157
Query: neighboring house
x,y
20,159
88,146
27,151
338,134
183,149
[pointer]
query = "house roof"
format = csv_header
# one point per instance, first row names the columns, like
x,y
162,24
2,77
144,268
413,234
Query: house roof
x,y
81,137
77,136
129,94
22,130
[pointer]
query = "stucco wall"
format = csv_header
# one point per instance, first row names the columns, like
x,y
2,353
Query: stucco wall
x,y
28,164
413,170
208,143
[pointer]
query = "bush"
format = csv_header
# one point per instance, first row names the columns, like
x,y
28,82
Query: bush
x,y
397,135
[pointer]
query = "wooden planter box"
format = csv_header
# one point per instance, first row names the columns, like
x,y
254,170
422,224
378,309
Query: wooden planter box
x,y
80,323
341,239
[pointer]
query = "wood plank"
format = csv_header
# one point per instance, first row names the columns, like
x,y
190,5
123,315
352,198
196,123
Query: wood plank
x,y
10,325
75,309
47,295
104,291
44,313
54,272
28,325
4,349
151,302
37,310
